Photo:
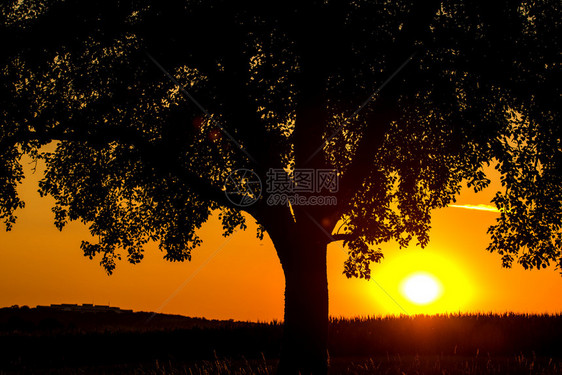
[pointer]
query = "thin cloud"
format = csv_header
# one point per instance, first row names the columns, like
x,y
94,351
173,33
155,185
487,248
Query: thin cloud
x,y
479,207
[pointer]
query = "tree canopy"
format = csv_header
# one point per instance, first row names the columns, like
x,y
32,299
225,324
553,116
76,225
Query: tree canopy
x,y
153,104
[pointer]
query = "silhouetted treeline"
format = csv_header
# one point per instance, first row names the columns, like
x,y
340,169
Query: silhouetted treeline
x,y
35,339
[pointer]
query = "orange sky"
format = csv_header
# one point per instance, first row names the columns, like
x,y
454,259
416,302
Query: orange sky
x,y
240,277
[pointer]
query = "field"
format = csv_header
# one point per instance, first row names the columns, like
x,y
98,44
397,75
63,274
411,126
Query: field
x,y
48,342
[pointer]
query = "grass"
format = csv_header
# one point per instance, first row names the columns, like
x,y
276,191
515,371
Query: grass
x,y
437,344
388,365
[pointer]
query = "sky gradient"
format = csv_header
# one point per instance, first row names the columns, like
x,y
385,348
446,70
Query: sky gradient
x,y
240,277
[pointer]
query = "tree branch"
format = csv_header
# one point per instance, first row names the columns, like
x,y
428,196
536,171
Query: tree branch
x,y
151,153
385,111
343,237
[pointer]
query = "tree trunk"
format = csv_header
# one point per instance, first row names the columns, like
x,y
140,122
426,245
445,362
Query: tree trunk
x,y
305,334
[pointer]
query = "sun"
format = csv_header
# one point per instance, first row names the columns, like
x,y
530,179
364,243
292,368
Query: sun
x,y
421,288
446,287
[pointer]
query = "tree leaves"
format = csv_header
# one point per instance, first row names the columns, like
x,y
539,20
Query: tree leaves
x,y
139,161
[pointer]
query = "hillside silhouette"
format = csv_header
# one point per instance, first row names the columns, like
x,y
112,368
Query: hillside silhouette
x,y
51,319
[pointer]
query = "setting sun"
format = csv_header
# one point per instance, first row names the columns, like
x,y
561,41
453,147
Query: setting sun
x,y
421,288
423,282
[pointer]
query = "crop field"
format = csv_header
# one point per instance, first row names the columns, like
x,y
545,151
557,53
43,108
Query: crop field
x,y
46,342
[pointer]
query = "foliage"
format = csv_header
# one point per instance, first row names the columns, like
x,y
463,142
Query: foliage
x,y
138,160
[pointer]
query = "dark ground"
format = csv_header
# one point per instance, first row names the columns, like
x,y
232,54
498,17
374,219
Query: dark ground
x,y
46,341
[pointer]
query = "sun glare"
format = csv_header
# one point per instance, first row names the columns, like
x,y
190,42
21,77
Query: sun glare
x,y
422,282
421,288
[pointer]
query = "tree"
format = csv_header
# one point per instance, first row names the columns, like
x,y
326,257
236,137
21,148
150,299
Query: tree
x,y
152,106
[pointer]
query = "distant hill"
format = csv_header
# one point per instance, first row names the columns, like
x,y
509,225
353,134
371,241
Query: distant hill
x,y
96,318
42,338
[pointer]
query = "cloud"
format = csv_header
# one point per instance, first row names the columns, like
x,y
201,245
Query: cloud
x,y
479,207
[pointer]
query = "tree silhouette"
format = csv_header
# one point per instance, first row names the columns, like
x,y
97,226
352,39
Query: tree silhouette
x,y
153,105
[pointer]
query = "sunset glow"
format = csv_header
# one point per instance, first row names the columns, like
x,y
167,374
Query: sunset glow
x,y
49,267
424,281
421,288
